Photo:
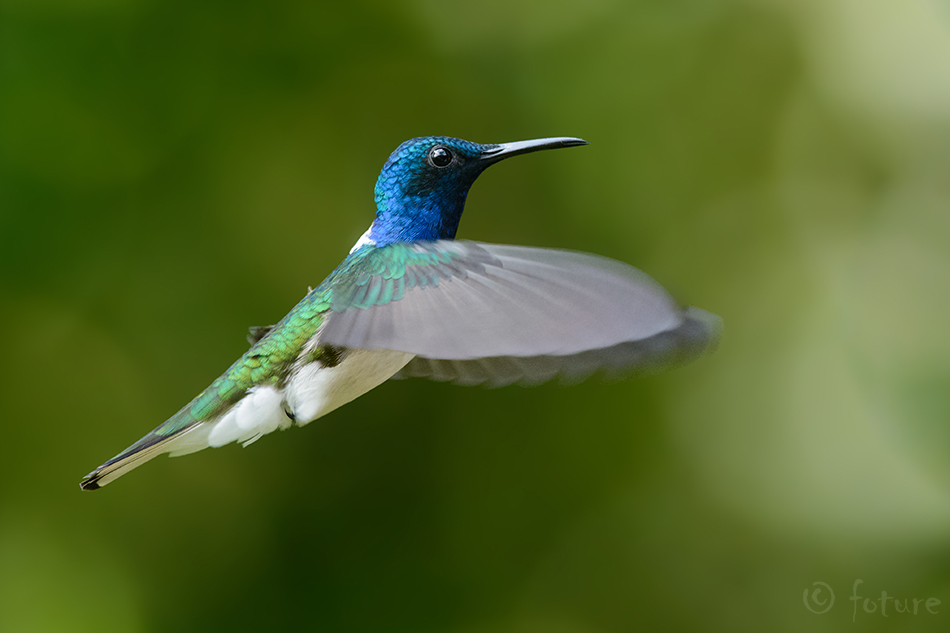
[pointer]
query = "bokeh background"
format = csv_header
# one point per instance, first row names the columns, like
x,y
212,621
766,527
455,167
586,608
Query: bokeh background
x,y
173,172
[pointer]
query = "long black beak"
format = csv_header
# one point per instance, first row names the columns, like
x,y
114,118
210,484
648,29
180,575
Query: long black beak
x,y
499,152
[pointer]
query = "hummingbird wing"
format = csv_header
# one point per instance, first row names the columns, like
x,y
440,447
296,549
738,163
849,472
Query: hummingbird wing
x,y
478,313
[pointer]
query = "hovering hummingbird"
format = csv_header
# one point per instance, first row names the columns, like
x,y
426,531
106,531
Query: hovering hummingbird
x,y
409,301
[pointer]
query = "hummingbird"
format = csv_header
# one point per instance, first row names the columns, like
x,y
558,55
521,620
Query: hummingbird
x,y
411,301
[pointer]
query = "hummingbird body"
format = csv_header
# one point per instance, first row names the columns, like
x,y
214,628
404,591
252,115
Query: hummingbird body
x,y
409,300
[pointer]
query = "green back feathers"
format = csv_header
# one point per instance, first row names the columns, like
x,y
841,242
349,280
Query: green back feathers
x,y
377,276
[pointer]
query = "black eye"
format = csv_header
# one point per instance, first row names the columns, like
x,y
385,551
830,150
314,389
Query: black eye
x,y
439,156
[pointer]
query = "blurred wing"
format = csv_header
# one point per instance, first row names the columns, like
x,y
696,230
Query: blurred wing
x,y
485,313
696,335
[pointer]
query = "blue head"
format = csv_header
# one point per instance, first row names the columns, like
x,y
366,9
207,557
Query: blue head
x,y
421,190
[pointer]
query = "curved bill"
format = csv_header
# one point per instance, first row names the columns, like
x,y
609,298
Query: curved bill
x,y
501,151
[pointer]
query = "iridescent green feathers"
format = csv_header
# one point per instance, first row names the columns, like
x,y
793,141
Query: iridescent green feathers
x,y
531,314
376,276
267,362
367,277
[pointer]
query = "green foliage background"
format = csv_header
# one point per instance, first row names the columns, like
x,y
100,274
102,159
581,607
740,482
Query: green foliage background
x,y
173,172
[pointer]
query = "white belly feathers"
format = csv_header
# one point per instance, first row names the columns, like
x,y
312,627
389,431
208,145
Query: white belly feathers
x,y
313,390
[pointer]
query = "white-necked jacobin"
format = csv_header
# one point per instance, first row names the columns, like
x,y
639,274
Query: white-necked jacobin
x,y
409,300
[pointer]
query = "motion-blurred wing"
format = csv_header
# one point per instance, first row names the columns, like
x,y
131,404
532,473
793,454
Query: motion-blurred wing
x,y
697,334
484,313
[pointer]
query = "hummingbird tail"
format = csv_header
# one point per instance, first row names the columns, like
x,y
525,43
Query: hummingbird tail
x,y
259,412
189,439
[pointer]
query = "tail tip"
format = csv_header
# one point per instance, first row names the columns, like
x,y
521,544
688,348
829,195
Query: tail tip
x,y
90,481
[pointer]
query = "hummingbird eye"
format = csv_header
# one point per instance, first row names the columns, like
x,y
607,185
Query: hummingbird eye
x,y
439,156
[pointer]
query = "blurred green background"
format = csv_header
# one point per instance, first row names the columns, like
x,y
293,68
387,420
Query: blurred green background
x,y
173,172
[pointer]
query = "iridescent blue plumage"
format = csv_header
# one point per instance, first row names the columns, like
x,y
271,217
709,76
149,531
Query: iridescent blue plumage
x,y
417,200
410,301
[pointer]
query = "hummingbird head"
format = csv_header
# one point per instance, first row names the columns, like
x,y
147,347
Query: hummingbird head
x,y
421,191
